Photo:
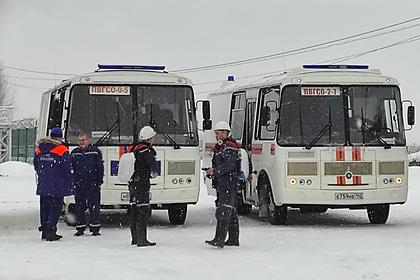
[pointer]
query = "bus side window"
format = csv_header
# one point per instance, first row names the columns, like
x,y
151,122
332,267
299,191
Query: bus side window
x,y
55,115
237,115
269,98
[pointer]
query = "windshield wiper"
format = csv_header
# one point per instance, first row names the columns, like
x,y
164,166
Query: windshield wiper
x,y
116,124
158,130
365,129
322,132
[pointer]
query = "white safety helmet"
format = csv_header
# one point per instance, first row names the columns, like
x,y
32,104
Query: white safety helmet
x,y
222,125
146,133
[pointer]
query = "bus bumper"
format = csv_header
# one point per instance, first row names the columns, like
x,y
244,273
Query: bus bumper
x,y
118,197
396,195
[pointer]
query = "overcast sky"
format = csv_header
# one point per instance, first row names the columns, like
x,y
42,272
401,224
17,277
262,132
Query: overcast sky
x,y
74,36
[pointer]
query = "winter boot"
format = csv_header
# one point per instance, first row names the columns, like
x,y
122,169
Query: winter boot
x,y
79,232
95,231
142,235
233,239
221,232
133,230
52,236
215,235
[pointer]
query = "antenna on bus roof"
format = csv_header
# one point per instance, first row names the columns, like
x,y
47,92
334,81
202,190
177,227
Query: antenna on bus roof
x,y
130,67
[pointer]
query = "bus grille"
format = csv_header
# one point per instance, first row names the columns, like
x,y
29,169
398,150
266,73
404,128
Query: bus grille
x,y
181,167
341,168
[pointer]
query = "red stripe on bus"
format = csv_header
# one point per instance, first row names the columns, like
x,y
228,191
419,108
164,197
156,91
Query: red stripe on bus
x,y
257,149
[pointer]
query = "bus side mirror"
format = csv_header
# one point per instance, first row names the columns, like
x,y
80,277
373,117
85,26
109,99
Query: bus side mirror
x,y
207,123
411,114
265,116
206,110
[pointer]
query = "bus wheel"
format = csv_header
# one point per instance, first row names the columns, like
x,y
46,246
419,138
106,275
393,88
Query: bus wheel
x,y
70,215
378,214
242,207
177,213
278,214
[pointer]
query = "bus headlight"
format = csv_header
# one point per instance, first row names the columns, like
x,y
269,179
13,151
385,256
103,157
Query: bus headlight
x,y
309,182
399,180
174,181
293,182
385,181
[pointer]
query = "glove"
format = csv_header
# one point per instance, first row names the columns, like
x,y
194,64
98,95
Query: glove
x,y
153,175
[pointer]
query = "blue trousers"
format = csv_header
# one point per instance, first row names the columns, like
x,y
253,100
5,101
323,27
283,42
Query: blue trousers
x,y
50,211
88,197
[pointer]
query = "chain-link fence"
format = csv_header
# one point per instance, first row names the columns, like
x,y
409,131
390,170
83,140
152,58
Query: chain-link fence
x,y
23,140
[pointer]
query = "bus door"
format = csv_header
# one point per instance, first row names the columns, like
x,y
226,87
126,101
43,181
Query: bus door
x,y
247,144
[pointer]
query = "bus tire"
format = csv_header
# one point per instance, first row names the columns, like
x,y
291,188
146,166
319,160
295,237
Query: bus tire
x,y
177,213
70,215
378,214
278,214
242,207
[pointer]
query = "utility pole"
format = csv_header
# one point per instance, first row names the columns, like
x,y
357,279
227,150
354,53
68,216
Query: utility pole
x,y
6,117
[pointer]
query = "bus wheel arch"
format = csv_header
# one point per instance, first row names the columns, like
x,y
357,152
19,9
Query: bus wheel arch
x,y
276,215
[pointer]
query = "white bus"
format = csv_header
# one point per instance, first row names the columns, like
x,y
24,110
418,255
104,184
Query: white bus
x,y
318,137
113,104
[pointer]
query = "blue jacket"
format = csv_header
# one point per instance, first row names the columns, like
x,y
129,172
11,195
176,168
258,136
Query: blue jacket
x,y
53,166
226,165
88,166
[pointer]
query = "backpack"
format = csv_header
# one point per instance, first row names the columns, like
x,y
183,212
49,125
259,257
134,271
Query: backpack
x,y
126,167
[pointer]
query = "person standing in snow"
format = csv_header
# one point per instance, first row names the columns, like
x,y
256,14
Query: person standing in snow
x,y
88,168
139,187
54,181
225,171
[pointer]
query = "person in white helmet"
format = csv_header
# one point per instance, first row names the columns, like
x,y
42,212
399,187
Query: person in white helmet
x,y
139,187
225,171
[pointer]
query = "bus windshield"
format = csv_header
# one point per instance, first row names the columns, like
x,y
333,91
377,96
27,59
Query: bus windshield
x,y
169,108
369,115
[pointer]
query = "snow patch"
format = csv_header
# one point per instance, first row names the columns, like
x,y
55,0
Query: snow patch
x,y
16,169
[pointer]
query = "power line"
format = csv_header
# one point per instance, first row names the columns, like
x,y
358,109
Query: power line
x,y
36,71
334,60
290,52
346,58
33,78
28,87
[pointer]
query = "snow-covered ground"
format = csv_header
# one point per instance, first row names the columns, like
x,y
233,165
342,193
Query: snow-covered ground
x,y
340,244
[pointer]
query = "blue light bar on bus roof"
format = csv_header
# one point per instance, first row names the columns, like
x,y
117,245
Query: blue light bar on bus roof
x,y
336,66
130,67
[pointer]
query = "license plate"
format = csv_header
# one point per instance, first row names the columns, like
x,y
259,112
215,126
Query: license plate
x,y
125,196
320,91
348,196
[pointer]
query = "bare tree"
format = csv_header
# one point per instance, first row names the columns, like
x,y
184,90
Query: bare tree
x,y
6,98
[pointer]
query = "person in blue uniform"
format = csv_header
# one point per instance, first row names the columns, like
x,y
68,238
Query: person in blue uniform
x,y
225,172
54,181
88,168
